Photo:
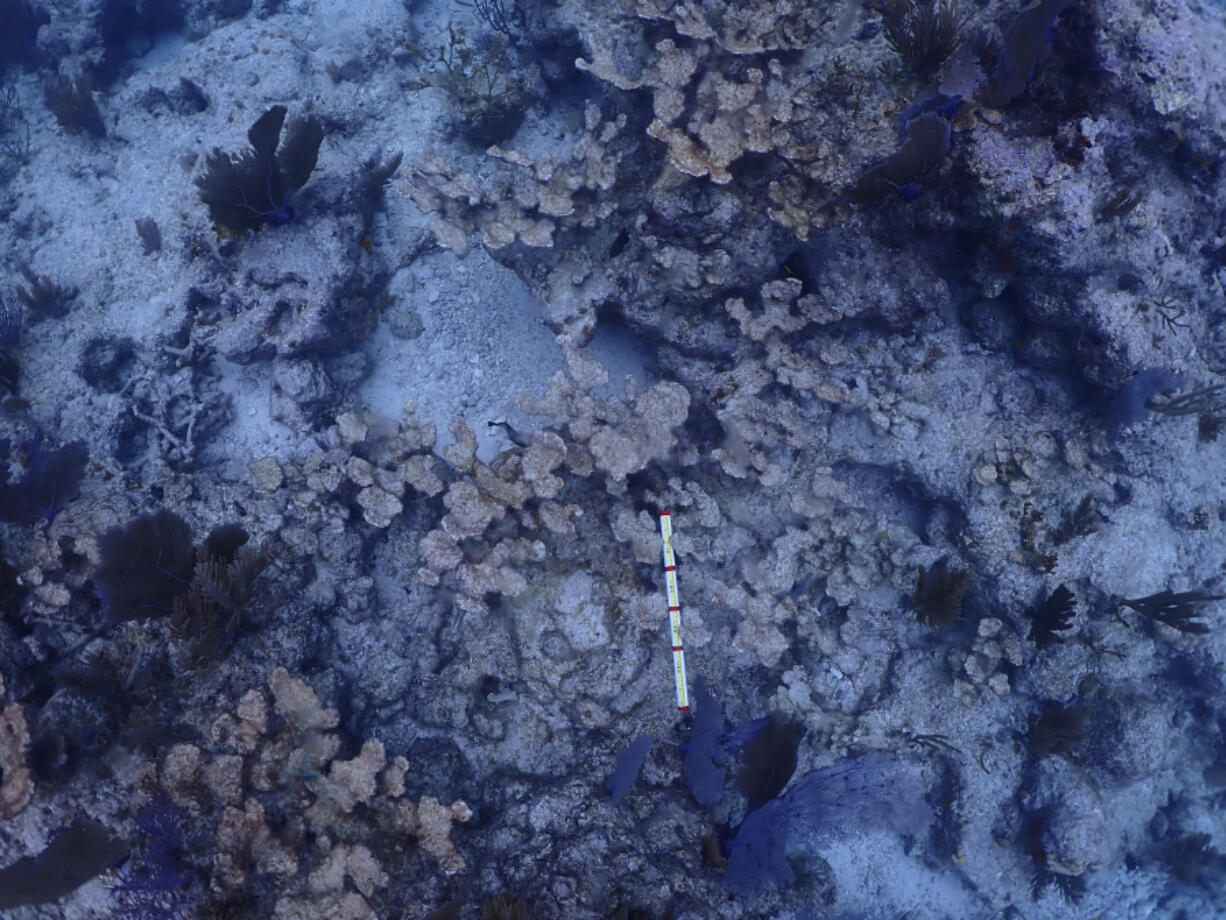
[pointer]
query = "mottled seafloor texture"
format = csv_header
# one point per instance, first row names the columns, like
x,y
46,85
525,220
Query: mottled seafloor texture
x,y
910,312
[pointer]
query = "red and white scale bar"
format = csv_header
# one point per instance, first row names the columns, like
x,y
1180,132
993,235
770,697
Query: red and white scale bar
x,y
674,611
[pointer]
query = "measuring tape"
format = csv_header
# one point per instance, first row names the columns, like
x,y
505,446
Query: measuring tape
x,y
674,611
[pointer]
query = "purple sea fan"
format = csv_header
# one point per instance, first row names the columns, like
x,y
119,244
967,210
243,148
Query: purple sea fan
x,y
52,479
871,791
151,886
1130,404
705,756
628,765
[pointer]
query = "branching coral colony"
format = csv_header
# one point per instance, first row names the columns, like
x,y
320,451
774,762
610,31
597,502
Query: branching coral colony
x,y
270,781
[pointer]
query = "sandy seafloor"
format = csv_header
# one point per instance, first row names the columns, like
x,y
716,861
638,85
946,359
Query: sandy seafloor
x,y
634,256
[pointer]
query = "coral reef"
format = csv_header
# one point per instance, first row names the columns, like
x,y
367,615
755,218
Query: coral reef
x,y
909,312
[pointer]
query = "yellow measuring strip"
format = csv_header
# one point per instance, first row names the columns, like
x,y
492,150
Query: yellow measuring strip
x,y
674,610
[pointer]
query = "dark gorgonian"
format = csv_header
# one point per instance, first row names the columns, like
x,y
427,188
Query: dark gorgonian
x,y
244,191
923,32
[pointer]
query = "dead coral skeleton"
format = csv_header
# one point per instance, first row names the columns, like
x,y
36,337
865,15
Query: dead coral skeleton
x,y
172,405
